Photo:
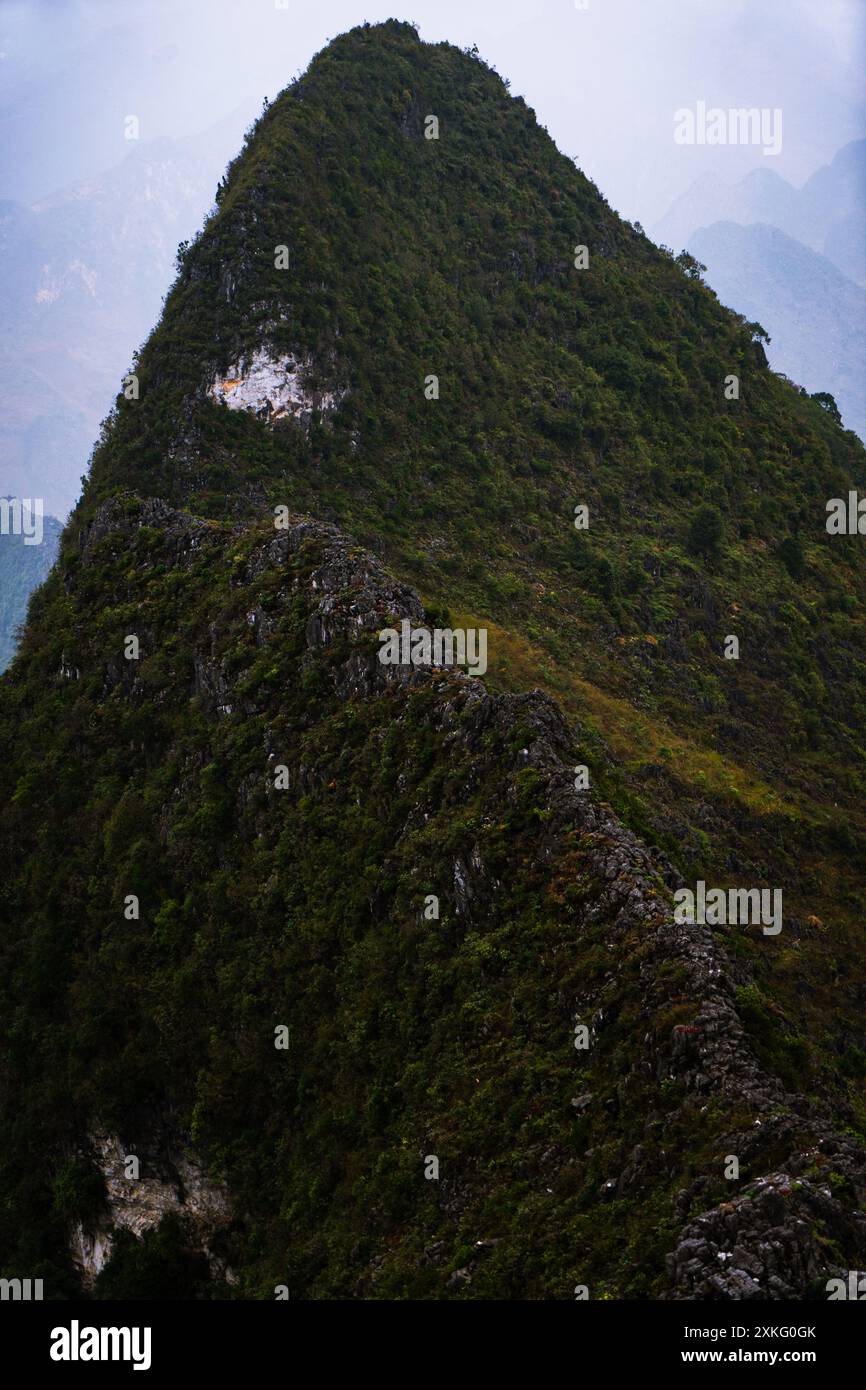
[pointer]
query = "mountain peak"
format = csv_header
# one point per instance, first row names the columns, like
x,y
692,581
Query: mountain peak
x,y
394,953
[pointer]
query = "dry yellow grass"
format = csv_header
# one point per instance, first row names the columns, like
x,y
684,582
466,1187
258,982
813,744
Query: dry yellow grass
x,y
633,736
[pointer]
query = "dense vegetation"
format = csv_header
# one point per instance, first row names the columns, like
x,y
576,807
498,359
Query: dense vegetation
x,y
558,386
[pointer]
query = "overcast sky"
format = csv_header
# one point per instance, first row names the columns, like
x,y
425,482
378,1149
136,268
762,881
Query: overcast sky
x,y
605,81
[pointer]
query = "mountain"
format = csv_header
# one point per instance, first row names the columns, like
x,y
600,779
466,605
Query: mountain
x,y
82,278
793,260
22,569
368,979
815,315
827,214
762,196
834,210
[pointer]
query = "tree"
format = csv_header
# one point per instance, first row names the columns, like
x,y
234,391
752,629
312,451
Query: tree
x,y
793,556
828,403
706,530
758,333
693,268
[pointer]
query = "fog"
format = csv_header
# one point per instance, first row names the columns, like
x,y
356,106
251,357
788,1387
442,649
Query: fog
x,y
605,80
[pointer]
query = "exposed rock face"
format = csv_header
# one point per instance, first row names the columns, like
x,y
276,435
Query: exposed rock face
x,y
90,1251
272,388
771,1242
167,1183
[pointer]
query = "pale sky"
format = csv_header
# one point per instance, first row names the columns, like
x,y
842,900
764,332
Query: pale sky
x,y
605,81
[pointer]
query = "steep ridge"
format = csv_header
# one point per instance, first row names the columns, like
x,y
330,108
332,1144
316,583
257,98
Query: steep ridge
x,y
304,907
454,258
414,1038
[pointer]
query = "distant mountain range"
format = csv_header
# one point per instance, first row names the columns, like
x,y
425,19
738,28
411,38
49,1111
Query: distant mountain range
x,y
815,315
828,214
795,260
82,277
22,568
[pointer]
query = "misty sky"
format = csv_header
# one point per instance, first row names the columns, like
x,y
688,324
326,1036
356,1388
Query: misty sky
x,y
605,81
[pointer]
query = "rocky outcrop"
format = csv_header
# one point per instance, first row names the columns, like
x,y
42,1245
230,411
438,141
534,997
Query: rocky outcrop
x,y
272,387
776,1240
141,1189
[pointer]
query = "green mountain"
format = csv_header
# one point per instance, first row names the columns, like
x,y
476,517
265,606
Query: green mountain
x,y
330,975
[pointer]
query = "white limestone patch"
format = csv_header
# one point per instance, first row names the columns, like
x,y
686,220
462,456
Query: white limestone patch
x,y
272,388
138,1205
